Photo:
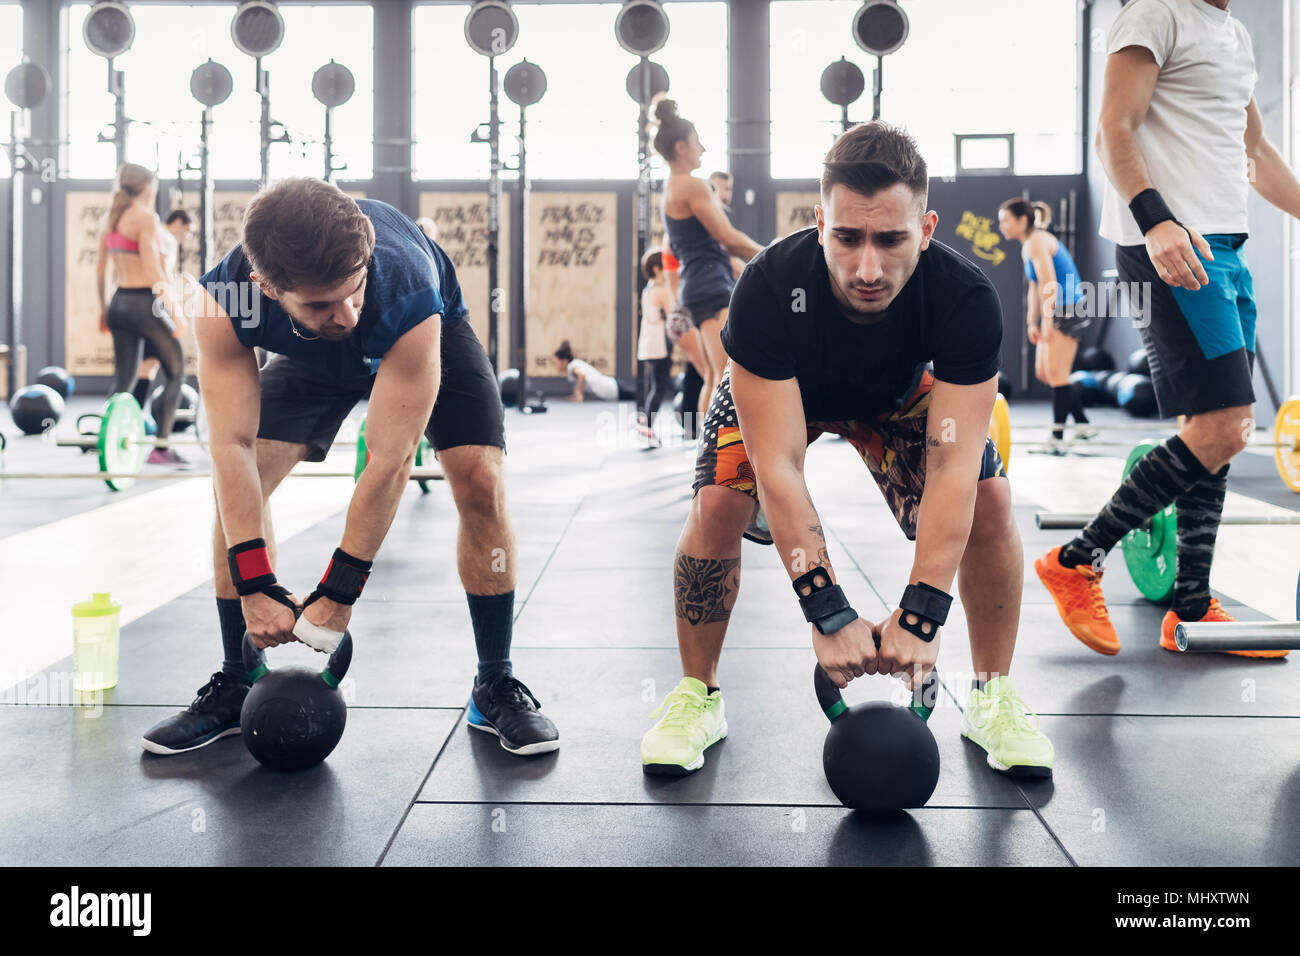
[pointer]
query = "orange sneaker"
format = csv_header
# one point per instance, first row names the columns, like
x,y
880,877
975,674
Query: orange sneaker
x,y
1215,614
1079,601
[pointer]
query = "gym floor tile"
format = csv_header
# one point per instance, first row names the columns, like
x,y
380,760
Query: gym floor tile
x,y
627,607
529,835
601,701
1162,791
168,654
96,799
1057,674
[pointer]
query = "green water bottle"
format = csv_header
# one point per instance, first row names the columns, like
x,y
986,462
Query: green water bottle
x,y
94,648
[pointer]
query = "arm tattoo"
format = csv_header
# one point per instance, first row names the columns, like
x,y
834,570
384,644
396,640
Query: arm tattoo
x,y
817,530
705,588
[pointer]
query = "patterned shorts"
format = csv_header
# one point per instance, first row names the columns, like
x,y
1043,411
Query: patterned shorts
x,y
892,445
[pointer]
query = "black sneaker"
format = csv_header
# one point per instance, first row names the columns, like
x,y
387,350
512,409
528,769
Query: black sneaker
x,y
213,715
505,707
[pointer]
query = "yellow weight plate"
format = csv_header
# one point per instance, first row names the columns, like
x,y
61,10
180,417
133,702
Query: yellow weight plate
x,y
1287,433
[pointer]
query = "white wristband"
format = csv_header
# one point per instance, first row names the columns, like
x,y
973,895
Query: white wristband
x,y
315,636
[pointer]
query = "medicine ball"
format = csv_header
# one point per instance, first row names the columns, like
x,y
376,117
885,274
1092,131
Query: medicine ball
x,y
1088,385
509,382
188,401
58,379
1137,396
293,718
1093,359
1110,387
36,409
1138,364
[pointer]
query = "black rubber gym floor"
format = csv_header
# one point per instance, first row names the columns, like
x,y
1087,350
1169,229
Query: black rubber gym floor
x,y
1162,759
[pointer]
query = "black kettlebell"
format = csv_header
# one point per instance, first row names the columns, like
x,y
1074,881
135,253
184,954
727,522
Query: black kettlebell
x,y
879,756
293,718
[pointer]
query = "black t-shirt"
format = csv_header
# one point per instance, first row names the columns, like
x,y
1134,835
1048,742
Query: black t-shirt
x,y
785,323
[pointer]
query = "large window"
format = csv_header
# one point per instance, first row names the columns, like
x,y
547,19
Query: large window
x,y
585,126
993,66
11,54
171,40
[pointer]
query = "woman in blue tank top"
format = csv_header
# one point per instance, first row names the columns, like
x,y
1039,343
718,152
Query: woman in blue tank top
x,y
1054,329
702,238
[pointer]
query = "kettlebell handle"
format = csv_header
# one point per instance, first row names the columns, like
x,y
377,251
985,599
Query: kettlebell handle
x,y
832,701
335,669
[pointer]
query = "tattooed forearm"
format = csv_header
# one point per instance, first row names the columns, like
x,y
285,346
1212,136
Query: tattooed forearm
x,y
705,588
817,530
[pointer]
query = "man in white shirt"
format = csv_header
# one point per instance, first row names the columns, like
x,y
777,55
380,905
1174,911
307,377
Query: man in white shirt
x,y
1182,140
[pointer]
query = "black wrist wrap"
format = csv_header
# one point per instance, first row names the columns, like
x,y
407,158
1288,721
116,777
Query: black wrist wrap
x,y
824,606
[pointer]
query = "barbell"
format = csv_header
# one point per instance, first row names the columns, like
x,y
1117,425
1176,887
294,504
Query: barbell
x,y
123,445
1285,443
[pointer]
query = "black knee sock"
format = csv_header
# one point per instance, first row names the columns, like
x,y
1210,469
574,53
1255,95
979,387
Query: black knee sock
x,y
1076,407
141,392
1200,508
1062,396
231,614
493,618
1166,472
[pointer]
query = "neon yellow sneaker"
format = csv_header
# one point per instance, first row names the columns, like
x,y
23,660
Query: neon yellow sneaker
x,y
693,721
1000,722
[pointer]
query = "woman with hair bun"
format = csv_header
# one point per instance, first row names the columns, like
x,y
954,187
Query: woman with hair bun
x,y
1053,330
702,238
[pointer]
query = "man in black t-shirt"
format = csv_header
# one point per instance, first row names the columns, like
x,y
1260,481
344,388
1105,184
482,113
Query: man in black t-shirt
x,y
864,327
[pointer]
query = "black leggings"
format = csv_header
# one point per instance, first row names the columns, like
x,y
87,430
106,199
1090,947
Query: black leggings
x,y
660,385
132,322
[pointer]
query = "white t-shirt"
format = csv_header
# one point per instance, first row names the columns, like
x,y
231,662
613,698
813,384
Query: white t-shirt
x,y
653,341
597,383
171,250
1193,136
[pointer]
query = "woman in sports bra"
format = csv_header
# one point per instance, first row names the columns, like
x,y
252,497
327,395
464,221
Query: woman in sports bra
x,y
142,308
702,238
1053,329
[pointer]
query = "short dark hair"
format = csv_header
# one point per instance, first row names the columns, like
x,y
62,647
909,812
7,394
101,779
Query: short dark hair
x,y
564,353
179,215
719,174
652,262
303,232
874,156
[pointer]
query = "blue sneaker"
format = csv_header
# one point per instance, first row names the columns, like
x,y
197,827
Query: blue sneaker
x,y
505,707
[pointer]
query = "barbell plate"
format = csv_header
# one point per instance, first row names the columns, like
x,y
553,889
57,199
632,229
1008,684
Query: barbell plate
x,y
122,446
1000,430
1238,636
1151,552
1065,521
1286,433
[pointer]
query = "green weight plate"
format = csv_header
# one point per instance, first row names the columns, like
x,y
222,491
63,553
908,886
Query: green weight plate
x,y
362,455
420,452
1151,552
123,445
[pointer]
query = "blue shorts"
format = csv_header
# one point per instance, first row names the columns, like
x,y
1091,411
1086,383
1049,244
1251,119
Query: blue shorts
x,y
1200,345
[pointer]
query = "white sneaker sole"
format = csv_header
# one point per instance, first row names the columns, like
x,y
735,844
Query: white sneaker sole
x,y
1019,770
162,751
527,750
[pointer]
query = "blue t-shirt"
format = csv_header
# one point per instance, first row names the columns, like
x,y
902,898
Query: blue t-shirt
x,y
1067,274
409,279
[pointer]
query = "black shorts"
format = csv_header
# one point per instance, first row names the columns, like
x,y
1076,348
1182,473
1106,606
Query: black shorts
x,y
1200,345
707,308
303,406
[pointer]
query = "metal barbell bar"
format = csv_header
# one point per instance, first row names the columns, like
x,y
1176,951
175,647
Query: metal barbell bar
x,y
417,474
1064,521
1238,636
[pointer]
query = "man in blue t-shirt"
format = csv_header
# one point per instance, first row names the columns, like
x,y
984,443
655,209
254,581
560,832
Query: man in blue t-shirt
x,y
863,327
353,302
